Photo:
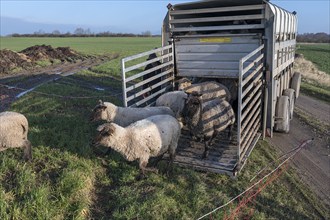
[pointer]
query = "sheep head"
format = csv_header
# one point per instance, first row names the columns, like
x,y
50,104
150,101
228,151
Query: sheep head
x,y
193,105
103,137
183,84
99,112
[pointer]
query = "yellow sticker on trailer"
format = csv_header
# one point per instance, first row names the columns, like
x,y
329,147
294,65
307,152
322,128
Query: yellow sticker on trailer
x,y
215,40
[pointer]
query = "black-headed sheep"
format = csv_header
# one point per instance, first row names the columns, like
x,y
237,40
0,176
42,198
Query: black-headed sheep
x,y
125,116
150,137
206,119
13,133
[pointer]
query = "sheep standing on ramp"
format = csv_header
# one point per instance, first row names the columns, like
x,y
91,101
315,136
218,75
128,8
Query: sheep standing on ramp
x,y
206,120
124,116
13,133
150,137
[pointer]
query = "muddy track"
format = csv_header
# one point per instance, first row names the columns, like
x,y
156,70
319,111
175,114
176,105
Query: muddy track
x,y
26,81
313,162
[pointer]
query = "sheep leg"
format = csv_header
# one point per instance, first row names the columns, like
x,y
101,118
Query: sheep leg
x,y
169,168
143,167
27,150
207,143
157,159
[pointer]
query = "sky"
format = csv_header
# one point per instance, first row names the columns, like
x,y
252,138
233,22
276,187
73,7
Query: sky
x,y
135,16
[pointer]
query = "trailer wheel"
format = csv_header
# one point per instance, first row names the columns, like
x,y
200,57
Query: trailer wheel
x,y
291,94
295,83
282,112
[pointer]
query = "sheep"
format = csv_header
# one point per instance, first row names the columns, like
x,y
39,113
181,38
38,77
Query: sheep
x,y
209,90
13,133
124,116
206,119
150,137
174,100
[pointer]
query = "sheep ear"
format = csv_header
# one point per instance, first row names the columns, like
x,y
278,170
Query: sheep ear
x,y
100,128
100,102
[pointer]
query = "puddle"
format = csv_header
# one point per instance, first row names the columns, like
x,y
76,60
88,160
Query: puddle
x,y
25,92
99,89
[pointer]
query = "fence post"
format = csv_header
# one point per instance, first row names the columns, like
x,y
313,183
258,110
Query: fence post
x,y
123,82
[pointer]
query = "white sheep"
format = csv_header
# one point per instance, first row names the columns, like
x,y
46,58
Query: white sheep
x,y
125,116
206,119
13,133
209,90
174,100
150,137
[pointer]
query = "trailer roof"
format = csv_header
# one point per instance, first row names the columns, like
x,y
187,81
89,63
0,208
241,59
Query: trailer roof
x,y
215,3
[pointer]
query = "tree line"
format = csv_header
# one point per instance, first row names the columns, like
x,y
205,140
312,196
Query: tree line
x,y
80,32
313,38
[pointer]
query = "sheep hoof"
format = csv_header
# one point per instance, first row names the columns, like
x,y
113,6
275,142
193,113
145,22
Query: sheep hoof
x,y
140,177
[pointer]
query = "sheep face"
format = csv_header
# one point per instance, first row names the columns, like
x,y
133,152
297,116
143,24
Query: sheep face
x,y
104,136
100,112
183,83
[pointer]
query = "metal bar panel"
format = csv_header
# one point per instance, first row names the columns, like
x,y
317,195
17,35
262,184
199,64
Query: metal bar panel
x,y
250,139
252,64
212,19
218,35
246,90
239,111
219,28
229,40
212,10
247,79
135,76
149,80
123,75
251,95
209,73
147,62
283,44
252,53
210,56
254,114
215,48
251,105
146,53
150,88
207,65
150,97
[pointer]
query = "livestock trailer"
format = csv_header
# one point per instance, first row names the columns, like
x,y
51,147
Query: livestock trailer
x,y
247,45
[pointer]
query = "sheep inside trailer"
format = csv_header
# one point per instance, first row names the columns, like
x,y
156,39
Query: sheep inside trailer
x,y
249,44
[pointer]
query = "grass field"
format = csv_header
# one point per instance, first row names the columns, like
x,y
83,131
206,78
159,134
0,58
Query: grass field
x,y
69,179
319,54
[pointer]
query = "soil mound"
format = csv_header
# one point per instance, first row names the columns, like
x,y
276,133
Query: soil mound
x,y
11,61
310,71
47,52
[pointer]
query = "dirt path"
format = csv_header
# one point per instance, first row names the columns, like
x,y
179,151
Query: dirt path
x,y
28,81
313,162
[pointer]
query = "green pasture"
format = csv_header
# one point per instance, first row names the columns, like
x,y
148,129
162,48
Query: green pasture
x,y
319,54
70,179
87,45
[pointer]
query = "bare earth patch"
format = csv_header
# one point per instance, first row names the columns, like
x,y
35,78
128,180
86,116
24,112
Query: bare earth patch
x,y
310,72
